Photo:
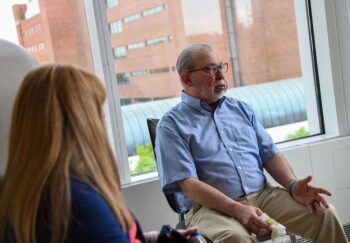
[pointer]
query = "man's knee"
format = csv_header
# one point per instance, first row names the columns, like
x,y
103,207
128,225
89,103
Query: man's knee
x,y
325,221
330,211
330,215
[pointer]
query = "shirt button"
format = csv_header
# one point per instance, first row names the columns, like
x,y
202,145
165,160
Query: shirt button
x,y
239,167
230,149
222,132
246,189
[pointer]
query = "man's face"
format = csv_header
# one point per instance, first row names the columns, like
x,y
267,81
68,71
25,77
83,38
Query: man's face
x,y
209,83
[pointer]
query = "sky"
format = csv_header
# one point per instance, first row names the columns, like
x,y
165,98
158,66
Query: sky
x,y
7,22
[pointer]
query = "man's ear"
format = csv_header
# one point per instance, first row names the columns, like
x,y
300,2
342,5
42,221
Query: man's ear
x,y
185,78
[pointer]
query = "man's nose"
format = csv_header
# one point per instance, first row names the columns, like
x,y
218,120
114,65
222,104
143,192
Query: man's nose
x,y
219,74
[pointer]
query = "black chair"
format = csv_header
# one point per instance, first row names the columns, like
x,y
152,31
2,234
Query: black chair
x,y
172,198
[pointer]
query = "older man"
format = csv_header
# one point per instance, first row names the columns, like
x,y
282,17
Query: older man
x,y
214,150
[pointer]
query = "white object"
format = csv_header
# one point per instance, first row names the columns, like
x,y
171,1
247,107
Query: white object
x,y
15,62
277,229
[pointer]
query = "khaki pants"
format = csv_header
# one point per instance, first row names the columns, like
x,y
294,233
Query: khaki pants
x,y
278,204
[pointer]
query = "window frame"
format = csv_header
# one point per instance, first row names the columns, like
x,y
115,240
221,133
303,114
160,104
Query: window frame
x,y
328,17
103,62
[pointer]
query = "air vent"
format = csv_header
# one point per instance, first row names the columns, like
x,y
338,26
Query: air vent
x,y
347,230
301,240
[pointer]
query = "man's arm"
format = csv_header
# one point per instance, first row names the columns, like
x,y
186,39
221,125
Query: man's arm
x,y
212,198
302,191
280,170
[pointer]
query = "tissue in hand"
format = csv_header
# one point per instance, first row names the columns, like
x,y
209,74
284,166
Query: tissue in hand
x,y
278,230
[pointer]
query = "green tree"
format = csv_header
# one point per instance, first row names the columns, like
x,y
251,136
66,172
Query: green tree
x,y
299,133
146,162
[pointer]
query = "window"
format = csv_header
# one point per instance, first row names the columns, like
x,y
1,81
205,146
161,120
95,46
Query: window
x,y
162,98
154,10
141,100
159,70
39,47
116,27
270,71
131,18
111,3
32,30
122,78
138,73
158,40
126,101
119,52
136,45
267,43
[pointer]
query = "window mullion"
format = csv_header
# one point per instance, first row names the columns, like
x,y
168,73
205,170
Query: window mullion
x,y
104,68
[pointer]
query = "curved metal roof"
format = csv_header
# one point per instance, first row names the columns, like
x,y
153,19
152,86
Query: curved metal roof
x,y
276,103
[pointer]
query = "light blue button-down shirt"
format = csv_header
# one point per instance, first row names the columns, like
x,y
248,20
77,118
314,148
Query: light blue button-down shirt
x,y
225,148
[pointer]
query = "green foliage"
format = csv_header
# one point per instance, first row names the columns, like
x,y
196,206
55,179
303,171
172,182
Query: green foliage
x,y
147,161
299,133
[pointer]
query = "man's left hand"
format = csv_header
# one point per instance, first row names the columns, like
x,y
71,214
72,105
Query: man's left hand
x,y
310,196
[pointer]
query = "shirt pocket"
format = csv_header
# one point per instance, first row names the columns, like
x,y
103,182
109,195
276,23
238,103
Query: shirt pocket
x,y
245,137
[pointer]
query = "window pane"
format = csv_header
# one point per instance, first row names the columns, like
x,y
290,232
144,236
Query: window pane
x,y
111,3
265,42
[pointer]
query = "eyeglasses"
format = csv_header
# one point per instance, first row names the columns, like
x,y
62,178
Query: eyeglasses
x,y
212,70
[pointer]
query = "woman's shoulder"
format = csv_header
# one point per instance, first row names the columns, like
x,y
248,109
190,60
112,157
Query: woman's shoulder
x,y
77,185
85,198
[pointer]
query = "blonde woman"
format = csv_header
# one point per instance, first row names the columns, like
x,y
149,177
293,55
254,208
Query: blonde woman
x,y
61,182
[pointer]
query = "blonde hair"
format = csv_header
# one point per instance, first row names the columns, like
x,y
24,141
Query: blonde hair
x,y
57,131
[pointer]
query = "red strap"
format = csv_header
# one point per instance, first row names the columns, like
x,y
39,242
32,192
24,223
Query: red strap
x,y
132,234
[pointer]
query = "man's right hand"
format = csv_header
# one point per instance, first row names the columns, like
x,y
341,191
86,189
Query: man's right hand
x,y
248,216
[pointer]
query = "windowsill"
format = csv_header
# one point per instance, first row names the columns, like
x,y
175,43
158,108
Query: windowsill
x,y
153,176
307,141
142,178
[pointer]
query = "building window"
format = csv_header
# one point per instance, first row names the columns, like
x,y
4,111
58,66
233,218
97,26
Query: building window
x,y
41,46
111,3
136,45
125,101
116,27
154,10
119,52
131,18
161,98
141,100
36,48
37,28
138,73
158,40
32,30
123,78
159,70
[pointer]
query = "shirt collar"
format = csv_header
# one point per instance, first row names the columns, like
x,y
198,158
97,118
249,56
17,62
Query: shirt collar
x,y
198,104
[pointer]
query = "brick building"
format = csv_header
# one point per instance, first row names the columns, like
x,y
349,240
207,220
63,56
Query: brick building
x,y
54,31
257,38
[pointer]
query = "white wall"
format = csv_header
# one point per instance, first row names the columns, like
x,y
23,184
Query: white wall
x,y
149,205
